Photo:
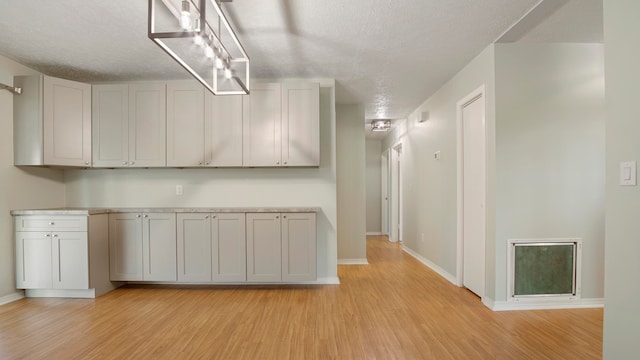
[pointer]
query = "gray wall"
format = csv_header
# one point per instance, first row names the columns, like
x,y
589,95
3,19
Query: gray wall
x,y
545,159
21,187
351,186
373,173
622,249
550,151
429,186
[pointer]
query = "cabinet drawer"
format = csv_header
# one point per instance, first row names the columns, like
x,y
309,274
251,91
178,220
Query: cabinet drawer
x,y
50,223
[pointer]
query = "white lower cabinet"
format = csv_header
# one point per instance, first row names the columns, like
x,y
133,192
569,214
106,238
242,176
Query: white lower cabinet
x,y
281,247
298,246
211,247
142,247
62,253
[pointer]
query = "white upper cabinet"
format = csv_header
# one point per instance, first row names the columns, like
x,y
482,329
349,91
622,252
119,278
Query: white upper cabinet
x,y
147,125
262,126
300,124
129,125
110,122
282,125
52,122
223,116
185,124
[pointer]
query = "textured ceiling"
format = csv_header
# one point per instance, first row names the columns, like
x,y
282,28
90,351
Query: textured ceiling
x,y
389,55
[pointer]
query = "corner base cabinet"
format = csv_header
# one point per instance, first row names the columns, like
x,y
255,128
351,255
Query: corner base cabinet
x,y
62,255
142,246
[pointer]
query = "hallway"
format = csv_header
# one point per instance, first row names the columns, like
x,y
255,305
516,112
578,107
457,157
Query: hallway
x,y
393,308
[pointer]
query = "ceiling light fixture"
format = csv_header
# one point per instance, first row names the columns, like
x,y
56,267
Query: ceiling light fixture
x,y
197,35
13,89
380,125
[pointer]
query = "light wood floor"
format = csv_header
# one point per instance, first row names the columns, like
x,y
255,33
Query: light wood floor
x,y
394,308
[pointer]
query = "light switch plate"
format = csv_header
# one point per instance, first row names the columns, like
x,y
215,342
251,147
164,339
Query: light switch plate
x,y
628,173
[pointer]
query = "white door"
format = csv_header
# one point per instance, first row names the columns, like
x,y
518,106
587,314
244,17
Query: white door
x,y
223,143
473,193
70,260
194,247
300,124
159,257
125,247
147,125
33,260
185,123
396,195
264,247
384,188
262,115
67,122
110,125
298,246
228,247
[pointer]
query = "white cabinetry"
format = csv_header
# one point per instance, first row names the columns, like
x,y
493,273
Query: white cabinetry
x,y
52,122
62,253
224,130
298,246
185,124
282,125
129,124
202,129
211,247
281,247
142,246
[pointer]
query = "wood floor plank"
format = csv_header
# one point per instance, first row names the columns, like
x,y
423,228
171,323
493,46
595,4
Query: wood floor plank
x,y
393,308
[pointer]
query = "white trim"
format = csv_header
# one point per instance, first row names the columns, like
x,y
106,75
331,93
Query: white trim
x,y
329,280
11,298
353,262
375,233
480,92
546,304
58,293
431,265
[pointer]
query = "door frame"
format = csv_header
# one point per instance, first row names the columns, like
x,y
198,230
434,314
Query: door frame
x,y
473,96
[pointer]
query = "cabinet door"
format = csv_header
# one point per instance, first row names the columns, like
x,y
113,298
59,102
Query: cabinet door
x,y
110,125
298,246
263,247
224,129
147,125
194,247
70,260
125,247
262,126
185,124
159,258
33,260
300,124
67,122
228,247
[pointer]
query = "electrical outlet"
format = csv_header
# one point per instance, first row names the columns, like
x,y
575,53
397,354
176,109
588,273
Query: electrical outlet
x,y
179,190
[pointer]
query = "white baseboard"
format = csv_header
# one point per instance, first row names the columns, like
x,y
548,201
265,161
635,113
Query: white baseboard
x,y
375,233
11,297
452,279
79,294
544,304
353,262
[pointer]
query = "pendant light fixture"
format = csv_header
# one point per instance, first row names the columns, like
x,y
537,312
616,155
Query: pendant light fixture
x,y
197,35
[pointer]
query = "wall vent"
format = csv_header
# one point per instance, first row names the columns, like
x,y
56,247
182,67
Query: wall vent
x,y
544,268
